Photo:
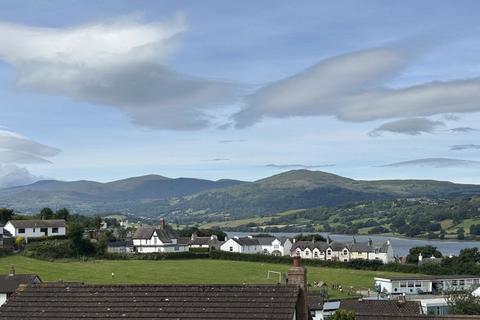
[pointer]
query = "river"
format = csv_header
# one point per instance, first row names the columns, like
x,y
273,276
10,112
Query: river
x,y
401,246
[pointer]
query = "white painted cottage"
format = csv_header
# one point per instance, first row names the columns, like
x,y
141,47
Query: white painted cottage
x,y
265,245
161,239
36,228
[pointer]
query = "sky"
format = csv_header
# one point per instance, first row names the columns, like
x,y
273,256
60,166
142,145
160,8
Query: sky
x,y
104,90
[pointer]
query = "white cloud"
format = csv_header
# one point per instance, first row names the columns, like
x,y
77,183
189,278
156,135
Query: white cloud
x,y
12,176
435,163
15,142
458,147
298,166
411,126
352,88
119,63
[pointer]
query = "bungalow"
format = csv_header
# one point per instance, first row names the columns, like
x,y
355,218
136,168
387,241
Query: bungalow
x,y
242,245
426,284
36,228
9,283
161,239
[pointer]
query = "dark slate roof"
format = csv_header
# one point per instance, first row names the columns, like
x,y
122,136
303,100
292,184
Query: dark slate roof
x,y
38,223
183,241
361,247
265,241
302,245
10,283
246,241
200,241
78,301
315,301
165,235
337,246
381,306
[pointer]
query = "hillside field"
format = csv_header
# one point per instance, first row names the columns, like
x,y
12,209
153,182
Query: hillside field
x,y
200,271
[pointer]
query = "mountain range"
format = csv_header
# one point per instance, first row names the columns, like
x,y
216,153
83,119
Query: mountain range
x,y
196,200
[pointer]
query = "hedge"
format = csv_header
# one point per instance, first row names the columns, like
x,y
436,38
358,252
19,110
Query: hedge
x,y
156,256
358,264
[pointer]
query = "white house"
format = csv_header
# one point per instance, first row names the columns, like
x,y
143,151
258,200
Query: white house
x,y
36,228
10,283
242,245
265,245
275,246
161,239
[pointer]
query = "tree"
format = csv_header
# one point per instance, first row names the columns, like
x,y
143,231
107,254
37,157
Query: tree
x,y
341,314
78,245
62,214
463,302
46,214
426,251
461,233
5,215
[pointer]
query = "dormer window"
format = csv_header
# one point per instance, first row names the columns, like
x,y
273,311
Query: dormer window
x,y
329,252
345,251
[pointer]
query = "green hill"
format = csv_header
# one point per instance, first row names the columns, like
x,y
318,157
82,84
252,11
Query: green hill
x,y
197,200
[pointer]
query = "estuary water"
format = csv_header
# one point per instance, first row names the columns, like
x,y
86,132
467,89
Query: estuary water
x,y
401,246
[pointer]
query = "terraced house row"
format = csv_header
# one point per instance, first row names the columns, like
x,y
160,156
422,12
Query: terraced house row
x,y
341,251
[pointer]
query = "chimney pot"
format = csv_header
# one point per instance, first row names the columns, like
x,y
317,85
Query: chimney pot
x,y
297,262
162,223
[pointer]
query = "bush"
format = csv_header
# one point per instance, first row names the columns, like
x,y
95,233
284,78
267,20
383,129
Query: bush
x,y
49,249
199,250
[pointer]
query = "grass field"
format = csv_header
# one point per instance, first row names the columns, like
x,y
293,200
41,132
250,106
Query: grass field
x,y
201,271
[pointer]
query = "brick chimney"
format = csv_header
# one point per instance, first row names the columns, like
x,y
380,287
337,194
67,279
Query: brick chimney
x,y
162,223
297,275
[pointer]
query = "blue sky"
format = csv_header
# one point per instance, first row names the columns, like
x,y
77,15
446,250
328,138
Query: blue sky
x,y
221,89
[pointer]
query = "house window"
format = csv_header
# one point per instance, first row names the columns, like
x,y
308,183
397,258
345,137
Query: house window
x,y
54,230
454,282
176,247
345,260
403,285
410,284
315,254
329,252
307,253
154,240
21,230
33,229
462,282
345,252
231,248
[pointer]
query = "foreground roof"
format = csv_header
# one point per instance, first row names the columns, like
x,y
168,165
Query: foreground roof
x,y
78,301
10,283
54,223
381,306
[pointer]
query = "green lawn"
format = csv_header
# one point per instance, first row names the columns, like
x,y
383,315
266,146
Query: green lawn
x,y
201,271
